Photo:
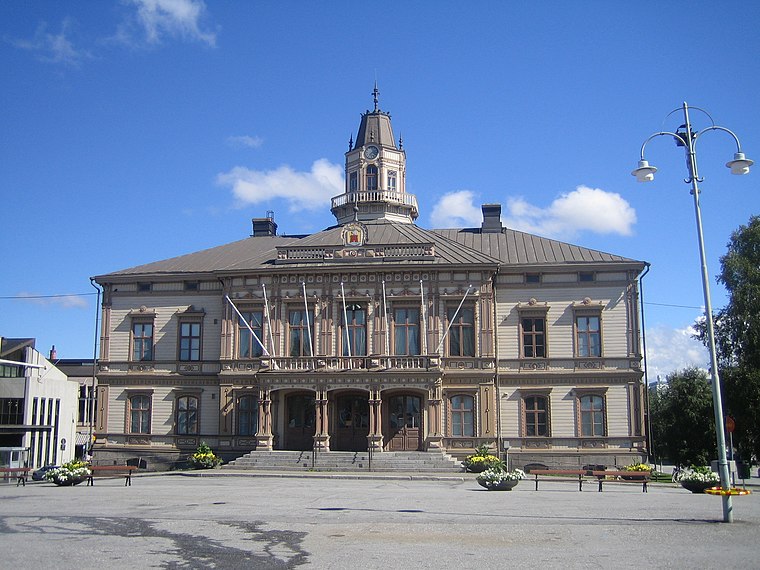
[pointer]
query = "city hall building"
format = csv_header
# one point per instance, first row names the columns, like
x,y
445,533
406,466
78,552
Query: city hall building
x,y
375,335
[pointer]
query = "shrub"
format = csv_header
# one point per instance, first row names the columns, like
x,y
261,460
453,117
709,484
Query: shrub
x,y
204,458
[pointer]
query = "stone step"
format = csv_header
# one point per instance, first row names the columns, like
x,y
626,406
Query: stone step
x,y
388,461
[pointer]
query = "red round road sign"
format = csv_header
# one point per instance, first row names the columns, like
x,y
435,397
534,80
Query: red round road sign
x,y
730,424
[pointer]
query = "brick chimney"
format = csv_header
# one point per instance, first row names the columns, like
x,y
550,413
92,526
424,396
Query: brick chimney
x,y
53,355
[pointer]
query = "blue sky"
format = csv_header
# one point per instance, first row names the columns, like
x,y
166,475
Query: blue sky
x,y
137,130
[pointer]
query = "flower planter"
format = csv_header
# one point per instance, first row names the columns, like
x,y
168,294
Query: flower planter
x,y
70,482
477,468
506,485
698,486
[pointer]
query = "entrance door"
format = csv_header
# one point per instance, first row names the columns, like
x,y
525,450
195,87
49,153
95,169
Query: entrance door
x,y
353,423
404,431
301,422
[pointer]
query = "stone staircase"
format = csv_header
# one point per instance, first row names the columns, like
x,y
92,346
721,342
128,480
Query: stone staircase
x,y
350,461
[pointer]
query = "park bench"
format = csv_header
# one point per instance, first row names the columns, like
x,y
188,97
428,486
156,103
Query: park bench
x,y
110,470
20,473
626,476
566,472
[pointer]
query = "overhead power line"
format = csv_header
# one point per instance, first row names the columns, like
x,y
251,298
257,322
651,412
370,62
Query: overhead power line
x,y
23,297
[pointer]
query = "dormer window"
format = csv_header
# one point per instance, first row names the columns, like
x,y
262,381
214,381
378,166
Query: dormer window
x,y
372,177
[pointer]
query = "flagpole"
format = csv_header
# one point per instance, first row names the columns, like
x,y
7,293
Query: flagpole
x,y
242,318
308,324
387,331
269,320
454,318
345,320
424,319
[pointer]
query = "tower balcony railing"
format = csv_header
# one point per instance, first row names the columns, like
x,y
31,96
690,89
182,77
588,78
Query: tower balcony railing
x,y
390,196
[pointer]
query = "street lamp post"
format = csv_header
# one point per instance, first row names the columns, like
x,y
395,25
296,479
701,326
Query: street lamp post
x,y
687,138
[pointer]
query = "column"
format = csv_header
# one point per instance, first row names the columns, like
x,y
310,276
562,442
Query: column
x,y
375,437
435,417
264,437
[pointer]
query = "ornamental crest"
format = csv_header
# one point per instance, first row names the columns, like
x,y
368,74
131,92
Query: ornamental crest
x,y
354,234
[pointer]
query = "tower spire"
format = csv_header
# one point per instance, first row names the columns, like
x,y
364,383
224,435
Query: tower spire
x,y
375,94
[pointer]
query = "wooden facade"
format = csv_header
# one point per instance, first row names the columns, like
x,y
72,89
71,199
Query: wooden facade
x,y
375,334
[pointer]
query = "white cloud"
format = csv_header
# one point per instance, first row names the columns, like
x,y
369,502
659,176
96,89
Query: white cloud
x,y
174,18
62,301
302,190
584,209
247,141
456,210
53,48
669,350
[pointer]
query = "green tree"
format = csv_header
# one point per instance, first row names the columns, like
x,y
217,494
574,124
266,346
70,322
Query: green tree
x,y
737,331
682,418
737,335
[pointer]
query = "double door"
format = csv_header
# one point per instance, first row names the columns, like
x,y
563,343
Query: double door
x,y
404,423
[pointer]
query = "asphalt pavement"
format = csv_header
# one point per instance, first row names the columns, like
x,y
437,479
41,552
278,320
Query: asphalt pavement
x,y
223,519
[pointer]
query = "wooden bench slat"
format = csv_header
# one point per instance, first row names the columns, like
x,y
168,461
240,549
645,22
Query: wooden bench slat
x,y
577,472
632,476
21,474
125,470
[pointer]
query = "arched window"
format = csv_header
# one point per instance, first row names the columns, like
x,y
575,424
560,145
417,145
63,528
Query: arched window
x,y
462,415
187,415
372,177
247,415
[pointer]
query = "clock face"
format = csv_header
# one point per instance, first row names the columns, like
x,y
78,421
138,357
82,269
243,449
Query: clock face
x,y
371,152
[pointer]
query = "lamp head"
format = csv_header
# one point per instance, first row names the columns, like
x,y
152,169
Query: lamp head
x,y
740,164
644,173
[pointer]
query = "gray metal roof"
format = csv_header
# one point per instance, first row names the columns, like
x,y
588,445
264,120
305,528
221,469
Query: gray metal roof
x,y
512,247
452,247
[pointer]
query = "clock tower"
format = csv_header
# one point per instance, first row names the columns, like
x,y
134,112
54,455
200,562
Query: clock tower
x,y
375,174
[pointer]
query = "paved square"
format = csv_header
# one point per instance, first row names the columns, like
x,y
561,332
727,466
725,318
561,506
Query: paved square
x,y
229,521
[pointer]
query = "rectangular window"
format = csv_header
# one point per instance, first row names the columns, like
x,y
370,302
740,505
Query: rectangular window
x,y
355,334
533,278
392,180
142,341
187,415
192,286
372,177
139,413
406,331
462,331
144,287
586,276
353,182
592,415
462,416
248,346
533,337
299,336
190,341
588,336
247,415
11,411
536,416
